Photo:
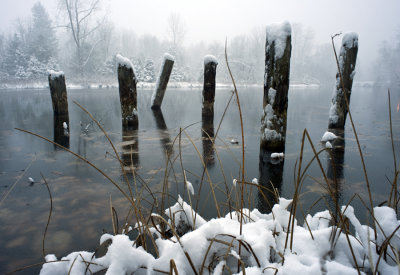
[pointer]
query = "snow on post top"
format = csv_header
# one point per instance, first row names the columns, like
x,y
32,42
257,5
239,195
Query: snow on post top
x,y
123,61
55,74
350,40
167,56
210,58
278,33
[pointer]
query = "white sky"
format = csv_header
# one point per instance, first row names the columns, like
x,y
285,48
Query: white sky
x,y
209,20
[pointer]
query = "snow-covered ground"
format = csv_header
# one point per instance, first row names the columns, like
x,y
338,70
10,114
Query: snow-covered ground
x,y
212,247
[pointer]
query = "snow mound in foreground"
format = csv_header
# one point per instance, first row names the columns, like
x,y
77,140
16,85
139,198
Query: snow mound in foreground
x,y
213,246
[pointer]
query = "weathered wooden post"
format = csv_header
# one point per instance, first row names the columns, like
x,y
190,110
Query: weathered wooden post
x,y
59,99
347,63
207,135
270,177
162,81
210,69
127,91
276,85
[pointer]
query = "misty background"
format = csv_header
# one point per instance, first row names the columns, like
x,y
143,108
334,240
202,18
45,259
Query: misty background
x,y
82,37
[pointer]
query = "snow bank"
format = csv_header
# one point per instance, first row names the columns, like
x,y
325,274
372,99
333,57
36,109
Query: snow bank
x,y
210,58
123,61
263,246
278,33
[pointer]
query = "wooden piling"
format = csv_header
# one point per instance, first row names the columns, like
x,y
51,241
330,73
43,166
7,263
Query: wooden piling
x,y
276,85
127,91
162,81
59,99
207,134
58,92
210,69
347,63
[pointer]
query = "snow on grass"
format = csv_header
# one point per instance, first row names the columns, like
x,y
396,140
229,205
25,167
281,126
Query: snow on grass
x,y
328,136
189,186
264,235
234,182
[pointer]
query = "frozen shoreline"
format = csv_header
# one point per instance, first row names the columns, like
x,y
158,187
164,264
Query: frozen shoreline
x,y
151,85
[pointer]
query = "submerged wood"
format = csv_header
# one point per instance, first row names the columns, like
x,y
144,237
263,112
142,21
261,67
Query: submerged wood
x,y
162,81
347,63
127,92
276,85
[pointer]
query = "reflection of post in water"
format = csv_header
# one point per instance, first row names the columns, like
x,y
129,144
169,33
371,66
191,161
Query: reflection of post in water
x,y
207,138
130,146
335,170
271,172
163,131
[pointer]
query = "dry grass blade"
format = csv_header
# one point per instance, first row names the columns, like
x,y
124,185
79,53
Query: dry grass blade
x,y
354,131
172,267
208,175
84,160
111,143
48,220
15,183
242,132
393,191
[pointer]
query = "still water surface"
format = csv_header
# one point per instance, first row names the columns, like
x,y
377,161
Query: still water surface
x,y
81,196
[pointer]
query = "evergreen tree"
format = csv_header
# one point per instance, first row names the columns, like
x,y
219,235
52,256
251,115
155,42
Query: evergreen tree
x,y
42,38
15,58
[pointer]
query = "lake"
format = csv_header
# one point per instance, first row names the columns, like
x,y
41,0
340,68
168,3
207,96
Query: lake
x,y
81,195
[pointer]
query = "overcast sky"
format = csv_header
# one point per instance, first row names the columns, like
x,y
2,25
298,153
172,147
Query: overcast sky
x,y
211,20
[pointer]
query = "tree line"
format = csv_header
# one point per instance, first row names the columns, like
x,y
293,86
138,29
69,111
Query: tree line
x,y
85,42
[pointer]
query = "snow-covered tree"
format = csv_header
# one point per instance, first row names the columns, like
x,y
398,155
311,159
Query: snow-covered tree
x,y
42,37
15,59
82,22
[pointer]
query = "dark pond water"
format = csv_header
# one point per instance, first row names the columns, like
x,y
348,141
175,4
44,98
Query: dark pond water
x,y
81,196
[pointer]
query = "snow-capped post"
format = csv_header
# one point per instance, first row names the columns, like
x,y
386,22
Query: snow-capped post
x,y
162,81
278,50
347,63
210,68
127,91
58,92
